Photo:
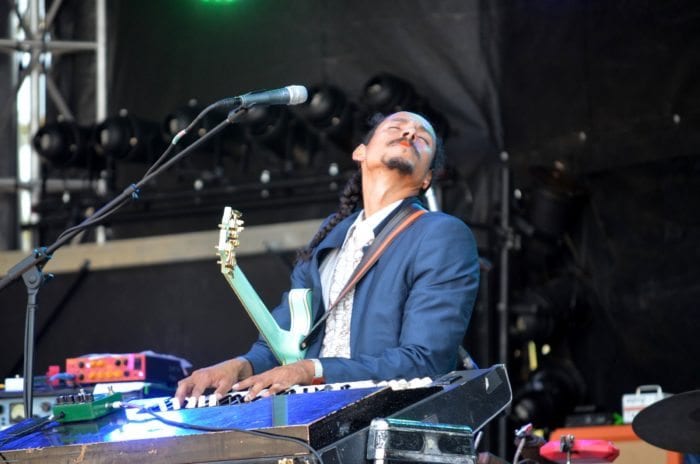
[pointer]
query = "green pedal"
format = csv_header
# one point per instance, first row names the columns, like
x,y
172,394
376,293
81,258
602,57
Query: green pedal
x,y
84,406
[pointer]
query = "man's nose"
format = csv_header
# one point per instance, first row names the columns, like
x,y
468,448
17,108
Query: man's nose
x,y
409,133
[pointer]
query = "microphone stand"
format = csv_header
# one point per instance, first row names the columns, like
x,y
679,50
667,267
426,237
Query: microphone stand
x,y
31,267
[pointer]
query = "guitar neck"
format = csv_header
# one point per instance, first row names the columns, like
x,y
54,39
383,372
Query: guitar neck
x,y
256,309
285,345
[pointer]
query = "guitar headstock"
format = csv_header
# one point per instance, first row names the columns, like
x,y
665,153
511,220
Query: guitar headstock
x,y
231,226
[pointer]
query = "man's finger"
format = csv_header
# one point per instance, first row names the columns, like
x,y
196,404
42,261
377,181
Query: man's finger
x,y
222,390
254,390
184,387
245,384
198,389
277,388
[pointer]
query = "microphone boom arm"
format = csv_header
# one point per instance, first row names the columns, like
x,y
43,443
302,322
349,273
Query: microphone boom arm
x,y
30,267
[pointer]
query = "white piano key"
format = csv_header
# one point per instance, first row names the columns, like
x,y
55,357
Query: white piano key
x,y
162,405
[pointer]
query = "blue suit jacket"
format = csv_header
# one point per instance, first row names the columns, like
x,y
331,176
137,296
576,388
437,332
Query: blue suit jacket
x,y
410,310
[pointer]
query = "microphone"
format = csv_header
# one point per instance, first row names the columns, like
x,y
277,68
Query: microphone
x,y
290,95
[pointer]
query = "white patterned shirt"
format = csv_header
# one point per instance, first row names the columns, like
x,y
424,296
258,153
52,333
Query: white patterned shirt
x,y
335,272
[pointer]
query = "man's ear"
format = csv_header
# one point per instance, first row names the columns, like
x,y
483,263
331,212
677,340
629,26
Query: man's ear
x,y
359,152
427,180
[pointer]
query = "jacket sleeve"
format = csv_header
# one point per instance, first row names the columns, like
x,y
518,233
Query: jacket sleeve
x,y
441,284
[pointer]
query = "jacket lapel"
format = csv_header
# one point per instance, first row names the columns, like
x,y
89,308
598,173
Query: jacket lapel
x,y
334,239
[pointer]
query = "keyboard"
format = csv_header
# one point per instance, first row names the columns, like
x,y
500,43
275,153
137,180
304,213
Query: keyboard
x,y
164,404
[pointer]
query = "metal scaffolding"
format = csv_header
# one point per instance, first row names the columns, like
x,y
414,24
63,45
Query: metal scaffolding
x,y
37,41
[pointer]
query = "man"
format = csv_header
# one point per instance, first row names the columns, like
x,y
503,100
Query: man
x,y
407,316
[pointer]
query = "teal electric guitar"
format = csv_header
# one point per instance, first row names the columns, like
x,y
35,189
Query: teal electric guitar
x,y
283,343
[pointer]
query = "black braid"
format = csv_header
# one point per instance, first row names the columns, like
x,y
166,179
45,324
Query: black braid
x,y
349,199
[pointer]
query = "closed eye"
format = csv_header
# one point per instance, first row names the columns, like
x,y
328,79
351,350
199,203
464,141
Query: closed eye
x,y
425,140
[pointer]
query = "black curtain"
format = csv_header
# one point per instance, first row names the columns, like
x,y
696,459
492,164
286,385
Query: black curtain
x,y
164,55
601,104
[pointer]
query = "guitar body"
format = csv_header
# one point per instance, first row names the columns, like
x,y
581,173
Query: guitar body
x,y
285,344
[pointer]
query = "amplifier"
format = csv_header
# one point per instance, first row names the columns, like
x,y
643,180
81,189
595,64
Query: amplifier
x,y
129,367
12,405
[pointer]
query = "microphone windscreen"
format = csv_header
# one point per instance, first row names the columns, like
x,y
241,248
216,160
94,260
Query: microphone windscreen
x,y
297,94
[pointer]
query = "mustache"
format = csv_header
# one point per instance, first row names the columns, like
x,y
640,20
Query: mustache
x,y
404,139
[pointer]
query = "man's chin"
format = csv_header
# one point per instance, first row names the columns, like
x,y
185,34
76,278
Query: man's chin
x,y
401,165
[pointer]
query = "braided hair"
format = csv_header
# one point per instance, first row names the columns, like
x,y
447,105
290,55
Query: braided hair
x,y
349,199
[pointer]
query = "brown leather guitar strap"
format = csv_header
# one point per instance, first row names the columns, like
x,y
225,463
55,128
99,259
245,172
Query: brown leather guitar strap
x,y
400,222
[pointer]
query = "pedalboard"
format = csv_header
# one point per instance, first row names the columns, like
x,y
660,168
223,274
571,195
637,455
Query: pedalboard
x,y
84,406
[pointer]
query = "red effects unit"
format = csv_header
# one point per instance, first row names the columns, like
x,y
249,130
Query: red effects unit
x,y
132,367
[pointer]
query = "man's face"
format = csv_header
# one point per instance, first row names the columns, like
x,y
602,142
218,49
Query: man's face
x,y
404,142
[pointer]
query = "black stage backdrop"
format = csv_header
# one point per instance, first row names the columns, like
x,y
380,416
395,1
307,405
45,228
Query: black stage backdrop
x,y
596,103
610,91
162,55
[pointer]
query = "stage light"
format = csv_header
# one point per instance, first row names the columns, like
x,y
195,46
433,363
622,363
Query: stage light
x,y
178,120
230,140
539,313
268,125
549,395
329,111
65,144
556,200
127,138
277,129
386,93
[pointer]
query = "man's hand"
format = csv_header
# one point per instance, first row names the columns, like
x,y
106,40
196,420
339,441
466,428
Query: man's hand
x,y
219,376
278,379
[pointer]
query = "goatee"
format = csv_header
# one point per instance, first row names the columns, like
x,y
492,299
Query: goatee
x,y
400,164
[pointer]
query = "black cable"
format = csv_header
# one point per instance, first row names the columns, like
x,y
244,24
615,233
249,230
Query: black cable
x,y
25,428
93,219
186,130
162,157
258,433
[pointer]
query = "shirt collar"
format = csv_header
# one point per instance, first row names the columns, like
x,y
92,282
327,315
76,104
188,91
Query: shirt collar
x,y
366,226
